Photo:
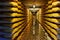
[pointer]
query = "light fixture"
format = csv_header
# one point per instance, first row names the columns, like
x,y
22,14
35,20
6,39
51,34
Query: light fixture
x,y
34,6
33,9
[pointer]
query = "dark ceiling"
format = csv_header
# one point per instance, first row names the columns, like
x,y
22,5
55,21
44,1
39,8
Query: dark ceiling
x,y
34,2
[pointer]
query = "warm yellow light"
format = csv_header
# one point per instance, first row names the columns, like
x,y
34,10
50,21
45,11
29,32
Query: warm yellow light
x,y
50,6
20,7
16,14
14,9
20,11
55,9
49,2
19,2
14,3
16,24
55,3
34,6
16,19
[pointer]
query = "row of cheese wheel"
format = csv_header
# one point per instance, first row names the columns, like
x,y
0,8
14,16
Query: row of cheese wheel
x,y
51,19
